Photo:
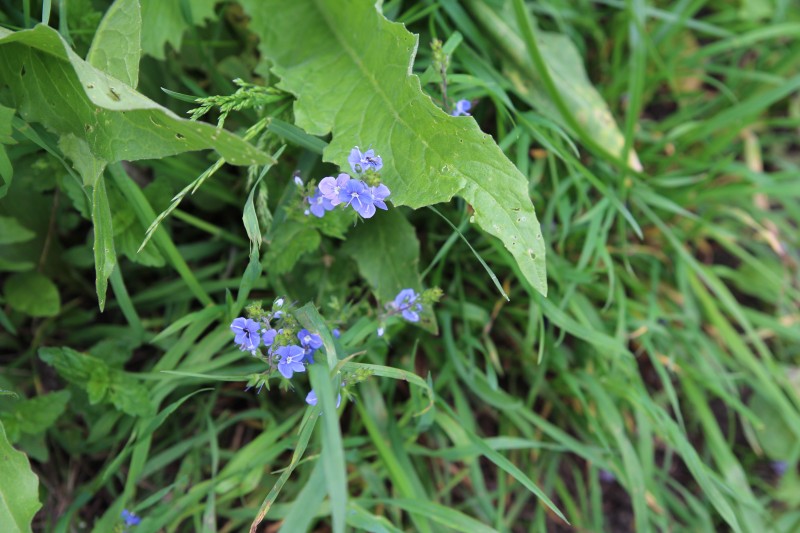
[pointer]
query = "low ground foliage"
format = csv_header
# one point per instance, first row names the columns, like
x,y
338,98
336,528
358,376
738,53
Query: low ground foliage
x,y
471,266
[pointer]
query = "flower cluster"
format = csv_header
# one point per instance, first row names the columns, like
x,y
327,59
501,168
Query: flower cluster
x,y
275,336
288,348
363,195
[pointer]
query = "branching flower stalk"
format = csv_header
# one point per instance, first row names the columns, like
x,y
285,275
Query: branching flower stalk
x,y
247,96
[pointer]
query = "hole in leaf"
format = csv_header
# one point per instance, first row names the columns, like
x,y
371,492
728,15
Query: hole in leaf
x,y
90,86
179,137
22,71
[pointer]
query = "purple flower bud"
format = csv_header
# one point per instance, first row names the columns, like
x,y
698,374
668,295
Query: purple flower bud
x,y
606,476
311,399
779,467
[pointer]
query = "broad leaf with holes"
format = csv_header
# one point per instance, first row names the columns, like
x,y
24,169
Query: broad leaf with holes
x,y
350,69
99,118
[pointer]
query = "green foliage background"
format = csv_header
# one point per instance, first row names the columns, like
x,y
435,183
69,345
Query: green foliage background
x,y
614,230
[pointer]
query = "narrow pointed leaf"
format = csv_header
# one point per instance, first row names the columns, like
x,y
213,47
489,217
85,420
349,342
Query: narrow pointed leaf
x,y
105,256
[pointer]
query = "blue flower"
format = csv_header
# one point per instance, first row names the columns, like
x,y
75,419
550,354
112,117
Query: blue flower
x,y
269,337
310,342
462,108
406,303
336,333
246,334
130,518
319,204
780,467
356,195
311,399
330,187
360,163
291,360
378,195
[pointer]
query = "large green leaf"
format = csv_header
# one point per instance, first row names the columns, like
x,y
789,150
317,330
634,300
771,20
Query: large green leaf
x,y
34,415
32,293
101,382
12,231
386,250
117,45
292,241
166,22
19,488
350,69
99,118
